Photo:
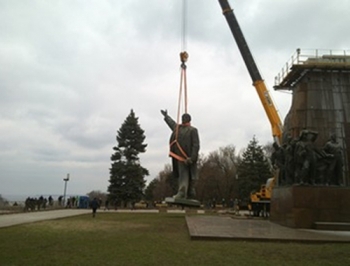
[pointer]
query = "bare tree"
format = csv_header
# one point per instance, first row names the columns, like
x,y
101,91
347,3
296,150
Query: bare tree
x,y
102,196
165,185
217,175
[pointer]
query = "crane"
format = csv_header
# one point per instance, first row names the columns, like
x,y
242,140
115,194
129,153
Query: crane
x,y
253,70
260,201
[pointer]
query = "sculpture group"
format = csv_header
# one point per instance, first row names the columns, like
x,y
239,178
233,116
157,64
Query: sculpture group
x,y
298,161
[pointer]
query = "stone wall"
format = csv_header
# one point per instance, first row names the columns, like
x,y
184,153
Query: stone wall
x,y
303,206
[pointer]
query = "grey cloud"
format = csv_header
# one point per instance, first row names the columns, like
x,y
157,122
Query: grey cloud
x,y
71,72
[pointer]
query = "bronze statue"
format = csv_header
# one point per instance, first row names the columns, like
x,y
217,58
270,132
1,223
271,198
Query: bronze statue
x,y
289,149
184,148
305,158
303,163
335,167
278,163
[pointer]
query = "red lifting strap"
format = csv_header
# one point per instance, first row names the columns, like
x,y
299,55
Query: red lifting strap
x,y
176,156
183,84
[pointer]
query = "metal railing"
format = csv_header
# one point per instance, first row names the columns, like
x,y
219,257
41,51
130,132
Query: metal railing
x,y
309,56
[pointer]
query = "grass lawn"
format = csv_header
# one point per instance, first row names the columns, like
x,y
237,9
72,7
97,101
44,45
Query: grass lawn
x,y
147,239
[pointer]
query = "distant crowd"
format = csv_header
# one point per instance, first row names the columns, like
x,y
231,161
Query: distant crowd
x,y
32,204
41,203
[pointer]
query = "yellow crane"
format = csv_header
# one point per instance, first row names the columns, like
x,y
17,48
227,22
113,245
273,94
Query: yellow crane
x,y
260,200
253,70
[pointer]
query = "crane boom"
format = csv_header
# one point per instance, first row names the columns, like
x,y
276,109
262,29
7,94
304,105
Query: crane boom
x,y
253,70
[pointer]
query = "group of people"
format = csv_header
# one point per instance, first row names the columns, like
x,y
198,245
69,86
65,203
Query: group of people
x,y
32,204
298,161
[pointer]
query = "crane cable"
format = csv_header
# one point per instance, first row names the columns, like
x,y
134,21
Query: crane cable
x,y
183,59
183,85
184,26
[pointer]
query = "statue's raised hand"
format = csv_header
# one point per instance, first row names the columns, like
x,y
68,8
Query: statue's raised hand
x,y
164,112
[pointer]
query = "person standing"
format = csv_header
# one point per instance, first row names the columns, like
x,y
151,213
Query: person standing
x,y
94,204
184,148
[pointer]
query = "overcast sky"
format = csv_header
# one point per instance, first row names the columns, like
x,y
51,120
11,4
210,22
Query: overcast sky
x,y
71,71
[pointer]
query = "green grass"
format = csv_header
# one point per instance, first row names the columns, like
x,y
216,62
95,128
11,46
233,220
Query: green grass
x,y
147,239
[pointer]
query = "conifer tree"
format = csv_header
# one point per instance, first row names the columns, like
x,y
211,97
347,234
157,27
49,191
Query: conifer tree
x,y
253,169
127,176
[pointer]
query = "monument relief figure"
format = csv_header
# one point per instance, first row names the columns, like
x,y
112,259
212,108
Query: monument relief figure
x,y
305,158
278,163
184,148
289,160
335,167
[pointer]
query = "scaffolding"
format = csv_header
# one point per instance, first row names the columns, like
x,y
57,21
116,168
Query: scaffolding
x,y
310,59
320,85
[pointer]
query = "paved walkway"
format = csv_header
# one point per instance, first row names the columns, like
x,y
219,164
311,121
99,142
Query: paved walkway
x,y
227,228
10,219
29,217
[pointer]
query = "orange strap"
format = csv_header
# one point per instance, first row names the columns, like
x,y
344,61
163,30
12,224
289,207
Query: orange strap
x,y
183,85
176,156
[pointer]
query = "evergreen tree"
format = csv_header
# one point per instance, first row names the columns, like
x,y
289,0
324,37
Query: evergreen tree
x,y
127,176
253,169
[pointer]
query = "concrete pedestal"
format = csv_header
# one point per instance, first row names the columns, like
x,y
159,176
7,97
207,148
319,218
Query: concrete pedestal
x,y
183,202
303,206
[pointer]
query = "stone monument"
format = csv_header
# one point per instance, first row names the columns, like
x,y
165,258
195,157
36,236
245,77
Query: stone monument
x,y
313,187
